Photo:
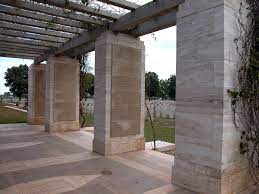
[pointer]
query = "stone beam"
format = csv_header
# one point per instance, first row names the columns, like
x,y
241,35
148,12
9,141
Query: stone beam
x,y
140,15
122,3
40,16
20,50
16,56
23,46
51,11
155,24
28,42
11,53
39,24
24,28
145,13
32,36
70,5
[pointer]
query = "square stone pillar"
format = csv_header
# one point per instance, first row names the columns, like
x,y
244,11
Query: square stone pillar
x,y
62,94
36,94
119,94
207,157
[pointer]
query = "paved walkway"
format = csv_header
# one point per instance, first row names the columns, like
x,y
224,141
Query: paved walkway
x,y
35,162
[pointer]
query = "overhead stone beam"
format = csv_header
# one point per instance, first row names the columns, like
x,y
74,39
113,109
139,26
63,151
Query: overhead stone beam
x,y
39,24
24,28
19,50
70,5
23,46
155,24
145,13
122,3
51,11
39,16
17,55
32,36
141,15
28,42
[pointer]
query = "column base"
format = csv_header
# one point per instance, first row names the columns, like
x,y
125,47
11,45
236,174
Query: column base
x,y
118,146
36,121
63,126
203,179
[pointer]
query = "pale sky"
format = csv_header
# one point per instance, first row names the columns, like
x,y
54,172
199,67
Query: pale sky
x,y
160,56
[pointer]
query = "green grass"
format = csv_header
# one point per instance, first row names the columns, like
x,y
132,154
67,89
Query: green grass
x,y
89,120
9,116
164,129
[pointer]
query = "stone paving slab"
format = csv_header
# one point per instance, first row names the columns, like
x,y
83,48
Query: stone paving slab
x,y
61,164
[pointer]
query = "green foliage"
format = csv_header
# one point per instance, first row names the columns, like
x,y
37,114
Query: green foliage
x,y
88,86
155,88
17,80
245,97
172,87
151,85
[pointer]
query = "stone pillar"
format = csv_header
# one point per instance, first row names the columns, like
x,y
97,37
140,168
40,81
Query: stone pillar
x,y
36,94
119,94
62,94
207,144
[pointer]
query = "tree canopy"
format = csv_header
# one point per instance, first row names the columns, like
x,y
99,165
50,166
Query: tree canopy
x,y
17,80
159,88
152,84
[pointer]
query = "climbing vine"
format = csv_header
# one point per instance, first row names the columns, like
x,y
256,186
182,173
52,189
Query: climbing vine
x,y
245,97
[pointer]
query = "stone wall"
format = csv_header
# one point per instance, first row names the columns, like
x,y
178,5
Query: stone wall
x,y
157,108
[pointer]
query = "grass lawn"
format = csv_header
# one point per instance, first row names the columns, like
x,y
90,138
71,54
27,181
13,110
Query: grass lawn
x,y
8,116
89,120
164,128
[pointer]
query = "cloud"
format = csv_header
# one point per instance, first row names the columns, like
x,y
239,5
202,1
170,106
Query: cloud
x,y
161,52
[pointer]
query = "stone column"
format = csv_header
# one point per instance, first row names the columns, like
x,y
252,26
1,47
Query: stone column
x,y
36,94
207,144
62,94
119,94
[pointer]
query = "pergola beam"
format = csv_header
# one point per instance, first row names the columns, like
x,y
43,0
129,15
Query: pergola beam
x,y
32,36
16,56
13,54
23,46
145,13
39,24
148,12
40,16
155,24
28,42
19,50
24,28
51,11
66,4
122,3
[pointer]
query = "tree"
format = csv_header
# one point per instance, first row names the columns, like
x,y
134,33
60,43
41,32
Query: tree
x,y
164,89
86,85
151,84
172,87
17,79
